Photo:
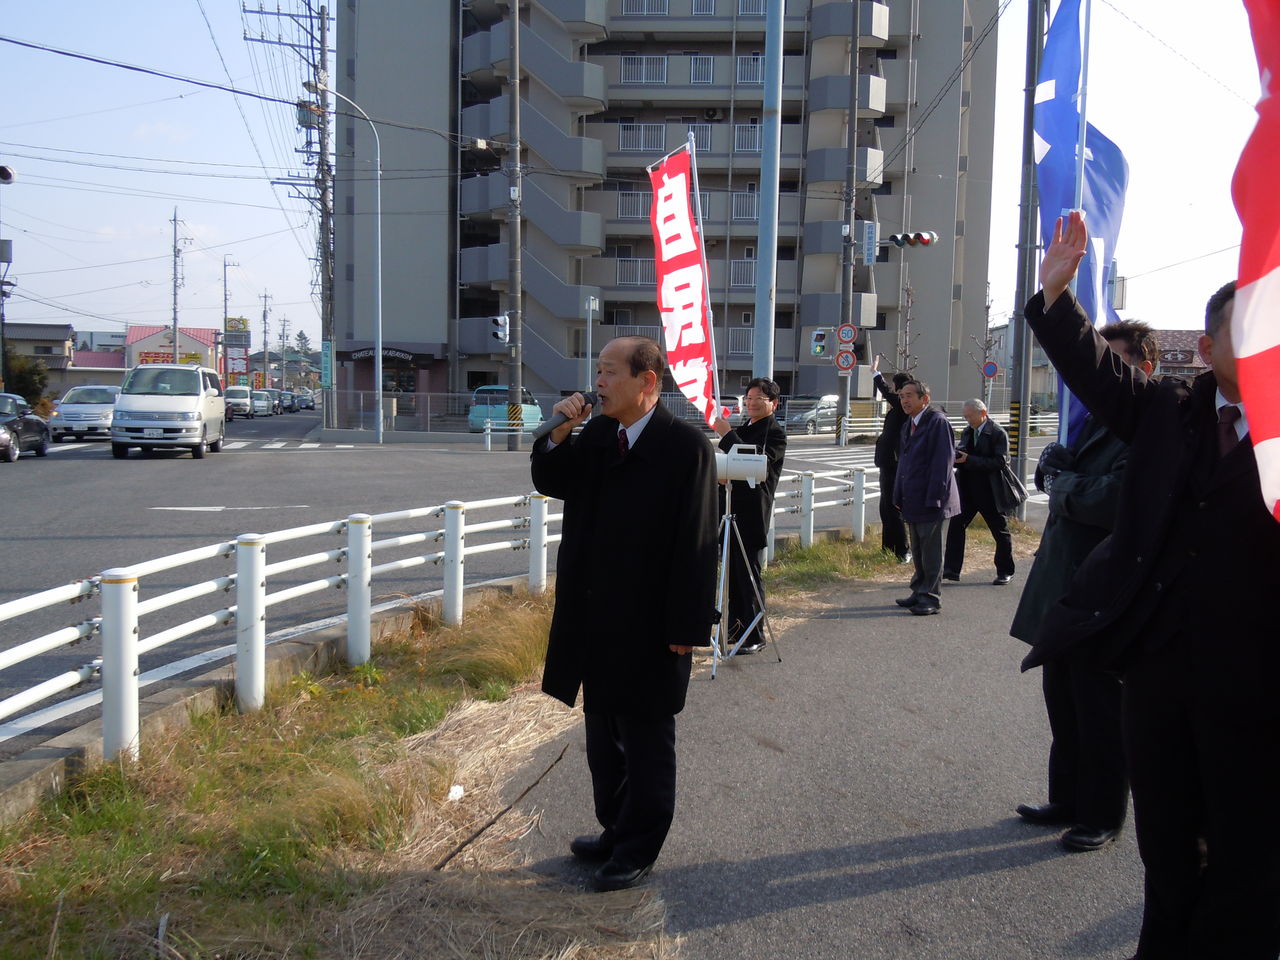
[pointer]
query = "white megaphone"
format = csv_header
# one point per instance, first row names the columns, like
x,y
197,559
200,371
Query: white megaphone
x,y
742,463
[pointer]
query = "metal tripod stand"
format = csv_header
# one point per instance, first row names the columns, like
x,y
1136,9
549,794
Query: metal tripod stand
x,y
729,535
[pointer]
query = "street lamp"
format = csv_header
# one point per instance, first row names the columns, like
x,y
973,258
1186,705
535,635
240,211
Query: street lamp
x,y
312,87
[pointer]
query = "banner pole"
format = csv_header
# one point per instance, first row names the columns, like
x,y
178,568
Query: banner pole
x,y
706,274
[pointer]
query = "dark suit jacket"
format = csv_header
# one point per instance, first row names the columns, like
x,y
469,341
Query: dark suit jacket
x,y
925,487
1195,550
887,442
980,475
754,508
636,569
1082,511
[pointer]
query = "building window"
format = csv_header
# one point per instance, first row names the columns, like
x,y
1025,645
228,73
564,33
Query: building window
x,y
644,69
704,8
701,69
644,8
886,121
746,318
751,8
42,351
633,205
751,69
645,137
746,137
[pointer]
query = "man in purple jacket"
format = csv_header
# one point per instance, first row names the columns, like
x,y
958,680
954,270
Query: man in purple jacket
x,y
925,491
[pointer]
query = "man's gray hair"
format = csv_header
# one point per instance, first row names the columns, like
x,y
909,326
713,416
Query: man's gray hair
x,y
976,404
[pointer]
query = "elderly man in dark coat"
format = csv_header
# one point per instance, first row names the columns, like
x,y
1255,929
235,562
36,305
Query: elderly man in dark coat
x,y
925,492
1178,598
752,506
987,487
1088,789
635,593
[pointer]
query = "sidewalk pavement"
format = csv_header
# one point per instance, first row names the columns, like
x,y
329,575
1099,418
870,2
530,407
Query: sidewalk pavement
x,y
856,800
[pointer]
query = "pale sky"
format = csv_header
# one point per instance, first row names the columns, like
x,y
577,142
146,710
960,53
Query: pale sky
x,y
1172,82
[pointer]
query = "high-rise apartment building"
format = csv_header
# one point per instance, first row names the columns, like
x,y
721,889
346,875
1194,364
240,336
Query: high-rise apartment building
x,y
606,88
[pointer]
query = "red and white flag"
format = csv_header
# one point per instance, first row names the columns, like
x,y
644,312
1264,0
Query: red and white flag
x,y
682,284
1255,323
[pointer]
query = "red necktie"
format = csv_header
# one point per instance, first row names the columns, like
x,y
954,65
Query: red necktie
x,y
1227,438
623,443
913,428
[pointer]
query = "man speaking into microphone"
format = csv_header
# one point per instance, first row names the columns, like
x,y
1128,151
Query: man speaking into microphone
x,y
635,593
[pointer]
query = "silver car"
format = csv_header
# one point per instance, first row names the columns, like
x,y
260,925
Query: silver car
x,y
84,413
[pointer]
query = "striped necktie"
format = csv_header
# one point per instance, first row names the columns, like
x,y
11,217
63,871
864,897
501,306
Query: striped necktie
x,y
623,443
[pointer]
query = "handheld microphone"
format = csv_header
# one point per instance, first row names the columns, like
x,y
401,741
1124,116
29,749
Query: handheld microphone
x,y
558,418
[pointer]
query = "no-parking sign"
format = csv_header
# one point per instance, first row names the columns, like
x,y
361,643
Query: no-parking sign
x,y
990,369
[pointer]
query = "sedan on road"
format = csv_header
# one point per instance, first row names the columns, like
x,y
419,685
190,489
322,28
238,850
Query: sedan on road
x,y
263,404
20,429
84,413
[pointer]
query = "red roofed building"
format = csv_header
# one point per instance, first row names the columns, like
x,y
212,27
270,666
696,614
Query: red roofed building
x,y
148,344
1179,353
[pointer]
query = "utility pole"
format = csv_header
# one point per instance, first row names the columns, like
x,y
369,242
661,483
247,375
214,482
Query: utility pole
x,y
284,343
515,384
177,281
266,344
1020,357
849,247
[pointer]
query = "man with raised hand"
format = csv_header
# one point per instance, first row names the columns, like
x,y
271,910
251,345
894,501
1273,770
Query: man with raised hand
x,y
635,593
1177,599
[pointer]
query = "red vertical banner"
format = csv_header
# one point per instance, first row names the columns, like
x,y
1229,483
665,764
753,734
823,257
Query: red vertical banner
x,y
1255,321
682,283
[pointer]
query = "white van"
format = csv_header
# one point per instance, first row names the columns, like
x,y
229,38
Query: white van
x,y
239,402
169,405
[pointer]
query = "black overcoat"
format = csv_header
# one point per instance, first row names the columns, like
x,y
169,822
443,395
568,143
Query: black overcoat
x,y
988,459
636,570
1082,512
891,434
753,508
1195,549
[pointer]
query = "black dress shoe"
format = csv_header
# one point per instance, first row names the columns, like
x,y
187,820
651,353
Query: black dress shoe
x,y
618,876
596,849
1081,837
910,601
1045,814
1002,579
951,576
748,648
925,609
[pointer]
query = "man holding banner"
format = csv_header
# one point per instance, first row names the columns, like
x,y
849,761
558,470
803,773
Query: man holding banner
x,y
635,593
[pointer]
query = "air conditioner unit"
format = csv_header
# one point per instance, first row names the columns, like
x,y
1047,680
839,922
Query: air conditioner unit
x,y
711,113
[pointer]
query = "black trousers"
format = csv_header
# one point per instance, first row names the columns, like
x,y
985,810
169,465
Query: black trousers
x,y
893,532
970,506
1201,723
1086,759
633,779
742,598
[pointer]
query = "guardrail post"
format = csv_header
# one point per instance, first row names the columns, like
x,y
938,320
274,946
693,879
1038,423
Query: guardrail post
x,y
771,550
538,543
455,540
359,588
859,504
806,509
488,435
119,664
251,622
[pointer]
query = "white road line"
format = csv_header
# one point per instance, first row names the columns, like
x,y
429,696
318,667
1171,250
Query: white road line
x,y
236,445
273,446
307,446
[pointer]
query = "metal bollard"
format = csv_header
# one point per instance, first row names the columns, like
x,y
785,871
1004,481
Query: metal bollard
x,y
488,435
859,504
806,509
359,588
538,543
455,541
251,622
119,664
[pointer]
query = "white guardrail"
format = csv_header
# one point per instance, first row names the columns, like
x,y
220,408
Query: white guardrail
x,y
121,611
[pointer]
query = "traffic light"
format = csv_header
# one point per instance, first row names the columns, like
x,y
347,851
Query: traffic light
x,y
818,343
922,238
501,327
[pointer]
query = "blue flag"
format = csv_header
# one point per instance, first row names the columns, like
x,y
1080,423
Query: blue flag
x,y
1106,174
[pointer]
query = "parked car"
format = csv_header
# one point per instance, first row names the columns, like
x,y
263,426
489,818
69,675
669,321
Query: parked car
x,y
306,400
84,413
168,405
275,399
288,401
490,403
807,413
263,405
20,429
238,402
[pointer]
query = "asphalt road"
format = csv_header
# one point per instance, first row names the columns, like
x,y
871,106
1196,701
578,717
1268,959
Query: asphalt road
x,y
79,512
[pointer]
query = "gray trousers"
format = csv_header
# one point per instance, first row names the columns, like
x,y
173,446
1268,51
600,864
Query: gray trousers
x,y
926,556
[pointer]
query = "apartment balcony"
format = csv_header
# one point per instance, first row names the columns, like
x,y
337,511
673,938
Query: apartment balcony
x,y
635,278
585,19
668,20
681,80
819,309
579,84
636,145
576,156
831,164
832,93
579,233
836,20
736,214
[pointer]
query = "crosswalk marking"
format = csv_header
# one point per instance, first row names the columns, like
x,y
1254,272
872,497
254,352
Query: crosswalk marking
x,y
307,446
273,446
236,445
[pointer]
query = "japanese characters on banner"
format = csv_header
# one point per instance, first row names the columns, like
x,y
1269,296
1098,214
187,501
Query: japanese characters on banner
x,y
682,300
